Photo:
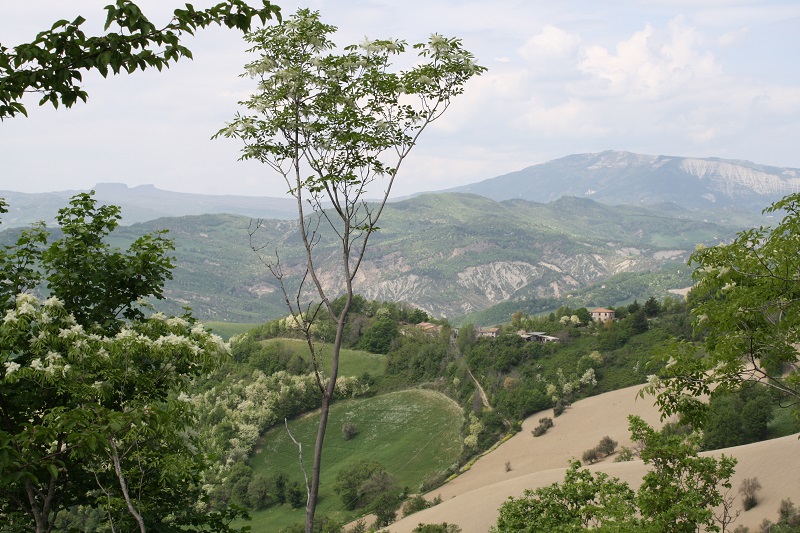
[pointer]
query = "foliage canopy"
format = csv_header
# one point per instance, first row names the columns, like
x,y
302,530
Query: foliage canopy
x,y
53,64
747,305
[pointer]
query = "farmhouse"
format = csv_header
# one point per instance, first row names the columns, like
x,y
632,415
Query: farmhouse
x,y
601,314
428,327
492,333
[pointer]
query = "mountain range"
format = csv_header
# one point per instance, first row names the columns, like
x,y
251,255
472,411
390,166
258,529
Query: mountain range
x,y
704,184
636,179
454,254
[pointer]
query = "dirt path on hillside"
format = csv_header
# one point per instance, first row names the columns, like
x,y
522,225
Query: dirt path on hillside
x,y
481,392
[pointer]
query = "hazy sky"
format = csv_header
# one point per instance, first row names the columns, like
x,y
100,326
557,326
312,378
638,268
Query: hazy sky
x,y
706,78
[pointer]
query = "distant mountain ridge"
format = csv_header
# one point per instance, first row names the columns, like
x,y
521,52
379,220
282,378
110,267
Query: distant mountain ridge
x,y
615,177
610,177
448,254
143,203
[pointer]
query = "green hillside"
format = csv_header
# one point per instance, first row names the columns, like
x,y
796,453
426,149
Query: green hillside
x,y
413,433
448,254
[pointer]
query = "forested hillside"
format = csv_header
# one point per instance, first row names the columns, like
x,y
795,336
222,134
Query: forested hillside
x,y
447,254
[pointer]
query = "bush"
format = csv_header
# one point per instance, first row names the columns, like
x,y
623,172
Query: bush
x,y
444,527
748,489
359,527
606,446
625,454
560,406
295,495
415,504
544,424
590,456
349,430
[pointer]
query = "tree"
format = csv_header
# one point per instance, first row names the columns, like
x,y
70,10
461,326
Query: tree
x,y
681,489
747,305
678,494
367,485
584,500
379,336
93,410
336,126
651,307
53,64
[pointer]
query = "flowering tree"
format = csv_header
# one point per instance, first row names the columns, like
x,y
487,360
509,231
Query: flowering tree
x,y
335,126
92,407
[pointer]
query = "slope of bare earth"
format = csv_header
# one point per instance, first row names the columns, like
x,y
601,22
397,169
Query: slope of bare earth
x,y
472,500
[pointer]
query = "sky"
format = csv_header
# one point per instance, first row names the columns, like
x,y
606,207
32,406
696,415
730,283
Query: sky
x,y
698,78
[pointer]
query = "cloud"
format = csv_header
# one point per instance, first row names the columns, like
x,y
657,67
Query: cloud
x,y
551,43
652,64
734,37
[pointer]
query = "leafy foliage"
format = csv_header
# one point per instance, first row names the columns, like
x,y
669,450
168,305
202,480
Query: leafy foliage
x,y
746,305
677,494
582,501
93,408
53,64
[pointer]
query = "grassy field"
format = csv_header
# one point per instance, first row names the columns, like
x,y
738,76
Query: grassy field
x,y
413,433
351,362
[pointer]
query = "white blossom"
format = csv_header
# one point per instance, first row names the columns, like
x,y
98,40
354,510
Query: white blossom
x,y
11,316
176,321
25,308
11,367
26,298
53,302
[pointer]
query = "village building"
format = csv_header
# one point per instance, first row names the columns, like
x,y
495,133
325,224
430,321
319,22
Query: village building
x,y
491,333
601,314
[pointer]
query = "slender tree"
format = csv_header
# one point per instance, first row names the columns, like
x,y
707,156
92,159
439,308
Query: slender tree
x,y
334,125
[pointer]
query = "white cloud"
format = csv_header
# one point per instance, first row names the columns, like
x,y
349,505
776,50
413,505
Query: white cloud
x,y
734,37
652,64
552,43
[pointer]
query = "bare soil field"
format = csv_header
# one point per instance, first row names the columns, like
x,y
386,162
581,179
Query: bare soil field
x,y
472,500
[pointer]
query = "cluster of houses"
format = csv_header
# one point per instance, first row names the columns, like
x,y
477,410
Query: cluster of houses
x,y
600,314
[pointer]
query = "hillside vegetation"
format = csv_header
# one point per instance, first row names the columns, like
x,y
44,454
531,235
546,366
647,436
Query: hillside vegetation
x,y
448,254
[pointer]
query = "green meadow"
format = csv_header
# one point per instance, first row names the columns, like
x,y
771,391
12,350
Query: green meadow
x,y
413,433
351,362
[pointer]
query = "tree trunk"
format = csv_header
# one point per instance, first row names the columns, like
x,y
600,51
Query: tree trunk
x,y
327,400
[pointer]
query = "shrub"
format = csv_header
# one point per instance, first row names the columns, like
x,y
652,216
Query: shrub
x,y
359,527
606,446
560,406
748,489
625,454
544,424
415,504
590,456
444,527
349,430
295,495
